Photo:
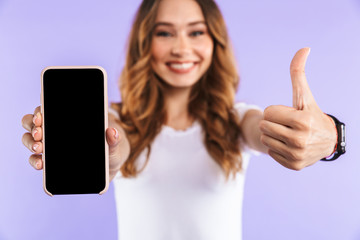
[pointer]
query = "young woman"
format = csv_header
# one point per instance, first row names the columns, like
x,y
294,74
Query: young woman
x,y
178,143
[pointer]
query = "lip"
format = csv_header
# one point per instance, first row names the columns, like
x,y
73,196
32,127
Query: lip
x,y
182,71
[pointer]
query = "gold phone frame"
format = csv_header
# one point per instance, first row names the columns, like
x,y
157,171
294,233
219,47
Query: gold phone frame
x,y
105,118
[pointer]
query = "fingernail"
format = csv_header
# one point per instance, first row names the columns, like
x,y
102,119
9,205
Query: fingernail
x,y
116,135
34,132
37,165
35,147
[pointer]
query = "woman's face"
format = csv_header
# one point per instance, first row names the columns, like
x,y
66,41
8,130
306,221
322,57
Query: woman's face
x,y
181,47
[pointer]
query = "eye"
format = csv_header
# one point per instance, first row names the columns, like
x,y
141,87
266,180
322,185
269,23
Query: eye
x,y
196,33
163,34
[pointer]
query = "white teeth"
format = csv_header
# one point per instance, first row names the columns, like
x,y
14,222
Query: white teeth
x,y
181,66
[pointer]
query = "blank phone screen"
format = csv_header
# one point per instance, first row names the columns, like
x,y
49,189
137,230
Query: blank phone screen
x,y
74,130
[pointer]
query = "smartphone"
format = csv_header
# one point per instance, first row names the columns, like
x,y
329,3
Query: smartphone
x,y
74,107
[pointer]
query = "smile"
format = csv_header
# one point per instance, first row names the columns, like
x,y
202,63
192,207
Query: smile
x,y
181,67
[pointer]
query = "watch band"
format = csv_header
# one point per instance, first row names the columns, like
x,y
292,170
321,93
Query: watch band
x,y
341,143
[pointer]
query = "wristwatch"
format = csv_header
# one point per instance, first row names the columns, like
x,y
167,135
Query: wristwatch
x,y
341,144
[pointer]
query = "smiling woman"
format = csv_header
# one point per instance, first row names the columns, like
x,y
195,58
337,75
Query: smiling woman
x,y
178,51
179,144
178,87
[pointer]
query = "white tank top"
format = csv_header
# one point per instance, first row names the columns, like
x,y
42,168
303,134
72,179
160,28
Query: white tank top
x,y
182,193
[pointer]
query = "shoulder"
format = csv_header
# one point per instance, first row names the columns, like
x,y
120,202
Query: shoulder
x,y
114,110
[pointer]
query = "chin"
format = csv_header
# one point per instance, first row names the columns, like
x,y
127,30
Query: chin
x,y
181,85
178,83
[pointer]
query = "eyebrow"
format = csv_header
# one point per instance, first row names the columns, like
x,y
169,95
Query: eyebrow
x,y
170,24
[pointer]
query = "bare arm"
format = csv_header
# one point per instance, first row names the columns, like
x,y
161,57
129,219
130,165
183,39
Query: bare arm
x,y
251,131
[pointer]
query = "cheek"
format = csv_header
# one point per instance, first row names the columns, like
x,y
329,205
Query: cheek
x,y
159,50
205,49
155,53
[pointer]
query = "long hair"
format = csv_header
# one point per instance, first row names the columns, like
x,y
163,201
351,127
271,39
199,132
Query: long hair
x,y
142,111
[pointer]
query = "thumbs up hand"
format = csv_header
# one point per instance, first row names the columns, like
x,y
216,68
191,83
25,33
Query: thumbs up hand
x,y
298,136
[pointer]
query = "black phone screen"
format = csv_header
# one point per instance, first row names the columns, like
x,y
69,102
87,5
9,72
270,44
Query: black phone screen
x,y
74,130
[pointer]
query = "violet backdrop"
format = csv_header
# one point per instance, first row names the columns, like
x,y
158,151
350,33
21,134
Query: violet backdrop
x,y
319,202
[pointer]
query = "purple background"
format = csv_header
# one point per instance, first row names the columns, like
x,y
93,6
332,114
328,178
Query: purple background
x,y
319,202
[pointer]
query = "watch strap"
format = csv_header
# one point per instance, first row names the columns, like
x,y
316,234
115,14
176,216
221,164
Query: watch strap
x,y
340,144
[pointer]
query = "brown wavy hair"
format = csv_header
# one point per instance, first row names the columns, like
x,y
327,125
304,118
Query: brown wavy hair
x,y
211,100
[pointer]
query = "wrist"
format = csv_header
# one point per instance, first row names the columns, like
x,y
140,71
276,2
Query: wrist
x,y
112,173
333,137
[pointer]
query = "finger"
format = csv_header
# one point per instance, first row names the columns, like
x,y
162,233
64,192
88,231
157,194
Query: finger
x,y
273,144
37,133
275,130
37,109
37,120
302,96
27,122
280,159
35,160
280,114
113,139
33,146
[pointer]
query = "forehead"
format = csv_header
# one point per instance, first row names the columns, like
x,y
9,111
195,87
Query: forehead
x,y
179,12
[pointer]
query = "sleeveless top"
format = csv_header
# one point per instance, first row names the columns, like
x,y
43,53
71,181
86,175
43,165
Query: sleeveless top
x,y
182,193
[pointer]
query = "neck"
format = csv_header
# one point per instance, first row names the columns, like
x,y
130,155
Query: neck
x,y
176,104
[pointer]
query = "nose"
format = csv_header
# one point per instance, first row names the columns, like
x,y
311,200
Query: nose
x,y
181,46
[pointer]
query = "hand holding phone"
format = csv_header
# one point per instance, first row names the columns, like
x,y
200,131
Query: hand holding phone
x,y
119,147
75,155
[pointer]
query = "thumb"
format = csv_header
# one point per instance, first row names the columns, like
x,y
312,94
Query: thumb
x,y
119,148
302,96
112,137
